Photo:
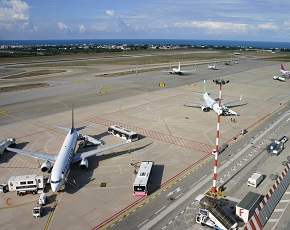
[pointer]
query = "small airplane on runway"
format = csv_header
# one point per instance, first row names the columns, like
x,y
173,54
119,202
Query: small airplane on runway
x,y
178,70
65,158
213,104
284,71
213,67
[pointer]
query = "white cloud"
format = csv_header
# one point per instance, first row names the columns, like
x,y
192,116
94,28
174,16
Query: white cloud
x,y
110,13
214,26
62,26
82,28
14,16
14,10
268,26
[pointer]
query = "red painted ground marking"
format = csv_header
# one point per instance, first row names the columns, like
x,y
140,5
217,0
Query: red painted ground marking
x,y
206,148
7,201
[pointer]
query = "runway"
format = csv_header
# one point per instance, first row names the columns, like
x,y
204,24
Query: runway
x,y
173,136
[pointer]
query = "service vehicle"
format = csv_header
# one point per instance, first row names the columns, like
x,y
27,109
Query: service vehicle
x,y
275,148
207,218
273,176
8,142
26,184
223,147
243,131
42,198
255,179
123,133
142,180
37,211
3,188
88,141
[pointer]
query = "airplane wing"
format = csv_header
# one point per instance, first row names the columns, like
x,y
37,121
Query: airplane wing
x,y
38,155
80,156
229,102
167,71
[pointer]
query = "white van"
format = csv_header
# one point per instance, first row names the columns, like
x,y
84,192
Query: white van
x,y
255,179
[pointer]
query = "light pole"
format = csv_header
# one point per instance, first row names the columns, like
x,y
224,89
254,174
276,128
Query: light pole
x,y
219,82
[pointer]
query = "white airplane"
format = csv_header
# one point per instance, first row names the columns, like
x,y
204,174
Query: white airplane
x,y
284,71
178,70
66,157
213,67
279,78
213,104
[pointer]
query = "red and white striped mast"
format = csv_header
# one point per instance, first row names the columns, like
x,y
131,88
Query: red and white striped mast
x,y
218,82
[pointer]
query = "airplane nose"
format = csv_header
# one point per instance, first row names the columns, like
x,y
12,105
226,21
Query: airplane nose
x,y
54,187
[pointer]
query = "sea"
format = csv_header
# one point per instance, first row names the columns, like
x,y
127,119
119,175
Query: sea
x,y
231,43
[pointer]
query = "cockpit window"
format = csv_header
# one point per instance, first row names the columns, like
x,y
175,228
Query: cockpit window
x,y
55,182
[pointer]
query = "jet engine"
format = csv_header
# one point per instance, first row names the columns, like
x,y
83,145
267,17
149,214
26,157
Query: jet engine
x,y
45,166
84,164
204,108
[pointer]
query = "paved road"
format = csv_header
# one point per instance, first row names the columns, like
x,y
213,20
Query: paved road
x,y
170,208
81,88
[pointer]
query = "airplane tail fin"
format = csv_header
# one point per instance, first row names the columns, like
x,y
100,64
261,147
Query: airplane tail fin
x,y
179,66
204,86
241,97
282,67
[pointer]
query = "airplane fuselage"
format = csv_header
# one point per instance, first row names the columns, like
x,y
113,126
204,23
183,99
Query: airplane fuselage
x,y
284,72
176,71
211,103
63,162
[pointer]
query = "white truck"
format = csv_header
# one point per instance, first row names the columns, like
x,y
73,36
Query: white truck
x,y
26,184
206,218
205,221
37,211
8,142
255,179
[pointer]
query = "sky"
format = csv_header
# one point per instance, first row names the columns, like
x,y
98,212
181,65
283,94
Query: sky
x,y
245,20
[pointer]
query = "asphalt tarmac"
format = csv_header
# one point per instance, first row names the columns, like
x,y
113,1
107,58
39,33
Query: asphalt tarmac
x,y
174,136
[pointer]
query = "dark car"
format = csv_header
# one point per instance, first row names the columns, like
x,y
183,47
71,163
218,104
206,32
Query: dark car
x,y
223,147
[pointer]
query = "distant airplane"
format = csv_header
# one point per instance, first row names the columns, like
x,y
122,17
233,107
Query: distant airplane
x,y
279,78
213,104
66,157
213,67
284,71
237,53
178,70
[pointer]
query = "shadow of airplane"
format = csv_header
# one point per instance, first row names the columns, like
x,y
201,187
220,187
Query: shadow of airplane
x,y
94,162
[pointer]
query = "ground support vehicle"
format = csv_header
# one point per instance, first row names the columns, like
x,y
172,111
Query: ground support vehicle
x,y
8,142
255,179
26,184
